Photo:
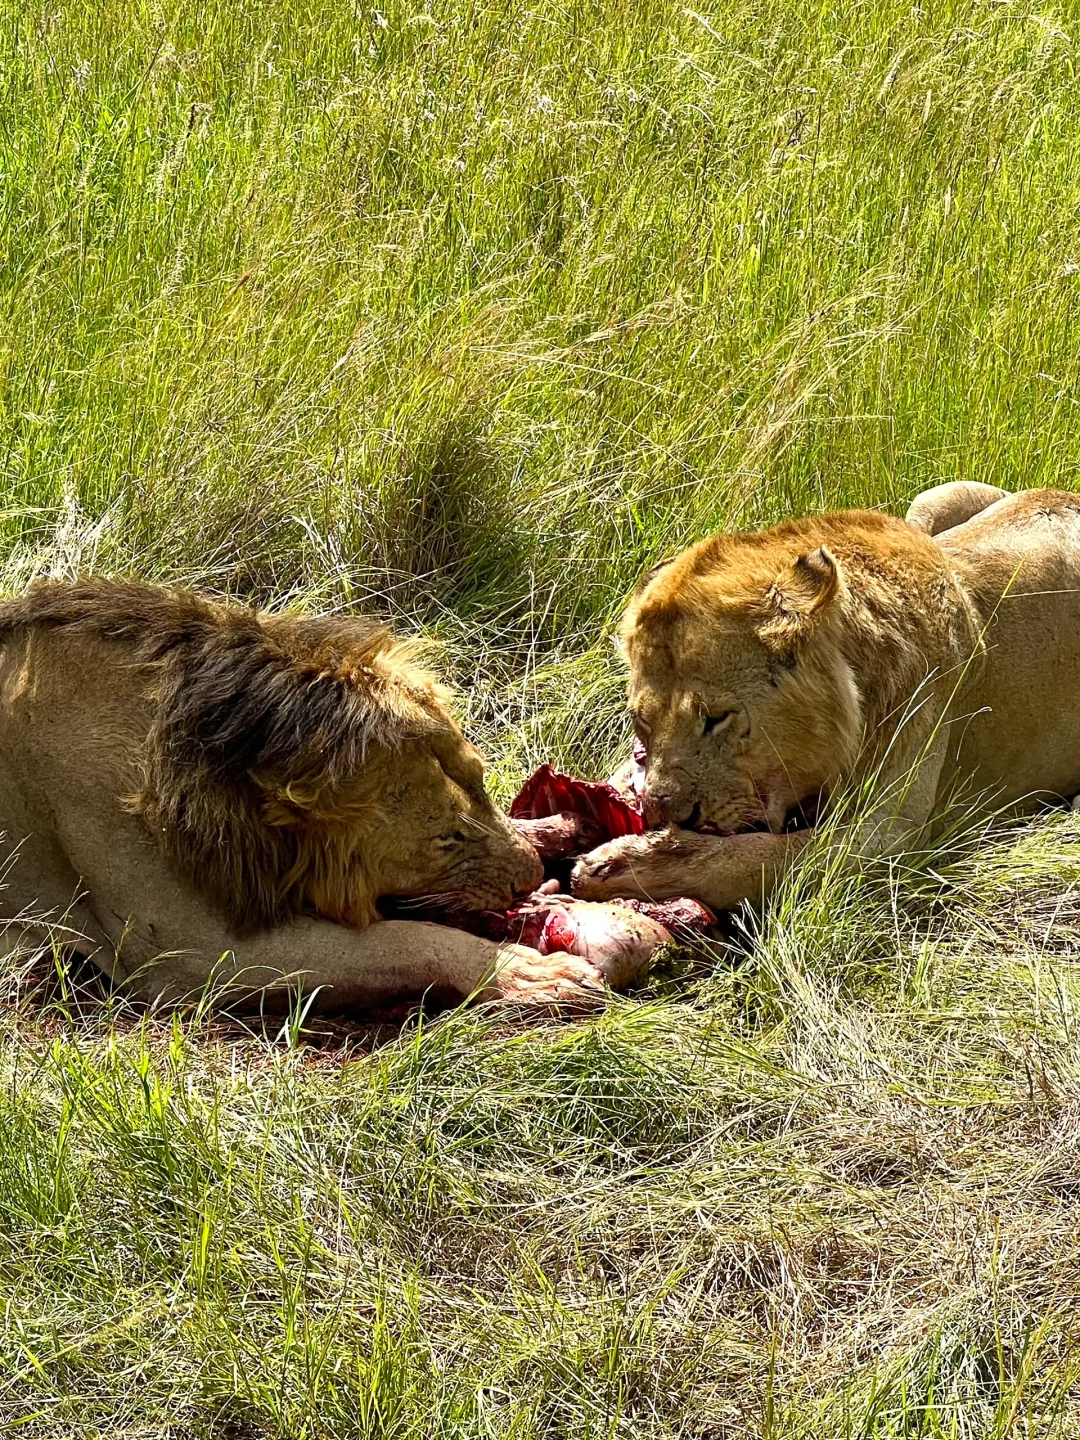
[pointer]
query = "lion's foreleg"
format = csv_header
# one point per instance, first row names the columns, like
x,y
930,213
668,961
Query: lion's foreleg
x,y
389,961
720,870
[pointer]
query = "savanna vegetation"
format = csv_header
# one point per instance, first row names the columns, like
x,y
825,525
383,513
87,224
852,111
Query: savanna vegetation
x,y
466,313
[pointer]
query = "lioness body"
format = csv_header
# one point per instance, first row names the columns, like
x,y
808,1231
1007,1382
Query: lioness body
x,y
195,794
1019,560
935,653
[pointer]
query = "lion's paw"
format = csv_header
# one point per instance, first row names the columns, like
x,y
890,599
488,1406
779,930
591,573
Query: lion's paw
x,y
525,977
613,869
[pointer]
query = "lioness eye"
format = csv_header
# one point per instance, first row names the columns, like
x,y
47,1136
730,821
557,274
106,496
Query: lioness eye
x,y
717,722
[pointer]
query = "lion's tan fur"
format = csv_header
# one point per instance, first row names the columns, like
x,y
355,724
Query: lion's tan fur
x,y
768,668
177,767
842,647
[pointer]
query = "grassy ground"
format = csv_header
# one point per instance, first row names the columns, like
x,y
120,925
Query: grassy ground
x,y
467,314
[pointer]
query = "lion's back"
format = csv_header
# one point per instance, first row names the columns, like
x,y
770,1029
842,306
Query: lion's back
x,y
1020,561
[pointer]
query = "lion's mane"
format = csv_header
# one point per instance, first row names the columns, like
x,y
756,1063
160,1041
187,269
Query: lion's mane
x,y
257,722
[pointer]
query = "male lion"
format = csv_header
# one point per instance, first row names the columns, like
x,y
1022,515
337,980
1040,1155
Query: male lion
x,y
193,792
770,670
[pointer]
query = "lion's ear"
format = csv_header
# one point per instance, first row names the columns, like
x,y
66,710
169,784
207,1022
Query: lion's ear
x,y
797,599
651,575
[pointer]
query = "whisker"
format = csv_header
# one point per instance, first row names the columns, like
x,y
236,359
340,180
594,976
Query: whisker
x,y
477,824
435,900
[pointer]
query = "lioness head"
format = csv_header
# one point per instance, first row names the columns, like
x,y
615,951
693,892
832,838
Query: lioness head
x,y
739,689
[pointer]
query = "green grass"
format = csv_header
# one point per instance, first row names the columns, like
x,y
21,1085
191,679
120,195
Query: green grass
x,y
467,314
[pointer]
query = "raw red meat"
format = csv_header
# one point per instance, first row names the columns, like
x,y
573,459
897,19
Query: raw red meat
x,y
685,920
554,837
629,931
589,812
541,920
563,817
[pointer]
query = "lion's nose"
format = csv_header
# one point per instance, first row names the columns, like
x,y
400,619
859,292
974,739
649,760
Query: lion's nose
x,y
660,807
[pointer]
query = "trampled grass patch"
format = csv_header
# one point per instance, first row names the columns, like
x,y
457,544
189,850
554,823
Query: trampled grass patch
x,y
467,314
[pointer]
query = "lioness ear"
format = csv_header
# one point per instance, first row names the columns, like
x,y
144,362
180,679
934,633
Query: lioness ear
x,y
796,600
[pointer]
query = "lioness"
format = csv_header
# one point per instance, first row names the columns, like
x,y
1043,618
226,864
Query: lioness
x,y
768,670
194,792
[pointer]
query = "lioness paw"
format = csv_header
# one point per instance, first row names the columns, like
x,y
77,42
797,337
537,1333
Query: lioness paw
x,y
621,867
525,977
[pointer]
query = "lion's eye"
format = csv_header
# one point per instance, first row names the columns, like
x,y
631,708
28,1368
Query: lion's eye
x,y
718,722
641,725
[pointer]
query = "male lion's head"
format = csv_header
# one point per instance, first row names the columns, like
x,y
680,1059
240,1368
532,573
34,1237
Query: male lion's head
x,y
739,690
297,763
309,764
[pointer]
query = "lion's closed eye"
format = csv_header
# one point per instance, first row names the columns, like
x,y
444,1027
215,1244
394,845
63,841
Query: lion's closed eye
x,y
718,722
642,728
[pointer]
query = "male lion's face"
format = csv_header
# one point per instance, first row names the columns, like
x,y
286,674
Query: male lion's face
x,y
433,832
745,715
